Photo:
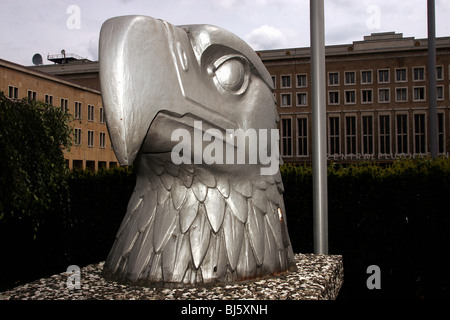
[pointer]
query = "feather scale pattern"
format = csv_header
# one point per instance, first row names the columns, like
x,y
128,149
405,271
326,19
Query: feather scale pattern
x,y
185,225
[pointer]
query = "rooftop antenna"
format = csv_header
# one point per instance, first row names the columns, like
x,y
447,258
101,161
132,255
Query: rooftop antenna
x,y
63,52
37,59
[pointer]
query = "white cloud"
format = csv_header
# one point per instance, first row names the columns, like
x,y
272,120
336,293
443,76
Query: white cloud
x,y
41,26
226,3
93,48
268,37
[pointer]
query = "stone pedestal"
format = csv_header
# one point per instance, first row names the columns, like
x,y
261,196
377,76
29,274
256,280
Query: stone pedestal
x,y
318,277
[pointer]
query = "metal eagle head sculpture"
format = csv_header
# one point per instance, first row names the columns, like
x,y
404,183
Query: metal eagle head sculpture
x,y
177,99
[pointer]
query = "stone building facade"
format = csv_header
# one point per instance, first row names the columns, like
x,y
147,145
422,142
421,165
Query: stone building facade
x,y
91,147
377,98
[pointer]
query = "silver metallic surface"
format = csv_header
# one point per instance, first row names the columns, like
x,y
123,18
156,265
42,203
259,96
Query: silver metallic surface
x,y
190,223
320,188
432,77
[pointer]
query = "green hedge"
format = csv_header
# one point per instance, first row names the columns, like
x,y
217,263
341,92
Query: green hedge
x,y
82,233
395,216
98,203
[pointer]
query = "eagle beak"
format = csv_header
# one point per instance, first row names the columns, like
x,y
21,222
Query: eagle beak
x,y
136,70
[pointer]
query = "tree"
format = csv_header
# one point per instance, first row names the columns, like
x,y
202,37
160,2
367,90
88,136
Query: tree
x,y
33,136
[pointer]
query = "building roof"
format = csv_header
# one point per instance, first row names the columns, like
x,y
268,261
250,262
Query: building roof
x,y
45,75
374,43
69,68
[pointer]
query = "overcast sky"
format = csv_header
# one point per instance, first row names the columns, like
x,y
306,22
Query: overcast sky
x,y
46,26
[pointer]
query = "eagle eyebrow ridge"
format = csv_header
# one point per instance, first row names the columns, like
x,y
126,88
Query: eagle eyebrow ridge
x,y
205,38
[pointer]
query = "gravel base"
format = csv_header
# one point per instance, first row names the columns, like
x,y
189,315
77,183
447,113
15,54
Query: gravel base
x,y
318,277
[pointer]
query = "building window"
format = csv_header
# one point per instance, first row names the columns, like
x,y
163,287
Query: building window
x,y
31,95
286,124
333,78
333,97
419,93
439,73
419,133
440,92
350,135
366,96
285,99
385,134
64,105
402,134
350,97
383,76
350,77
367,135
102,115
401,94
366,77
102,139
90,165
302,138
302,99
13,92
383,95
286,81
77,137
90,112
334,143
274,80
77,164
419,74
400,75
301,81
49,99
77,110
90,138
441,134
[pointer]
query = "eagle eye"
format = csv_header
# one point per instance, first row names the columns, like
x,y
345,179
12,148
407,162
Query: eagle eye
x,y
232,73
